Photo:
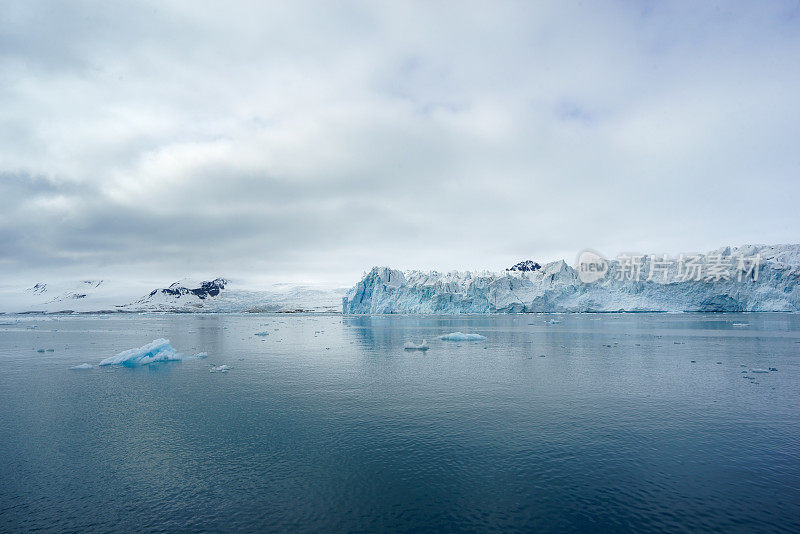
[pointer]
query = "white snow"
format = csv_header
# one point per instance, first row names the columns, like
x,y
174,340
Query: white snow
x,y
83,366
460,336
69,296
86,296
410,345
235,299
556,287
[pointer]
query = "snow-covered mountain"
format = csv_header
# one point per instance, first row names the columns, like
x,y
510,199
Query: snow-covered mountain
x,y
221,296
772,285
218,295
60,295
556,287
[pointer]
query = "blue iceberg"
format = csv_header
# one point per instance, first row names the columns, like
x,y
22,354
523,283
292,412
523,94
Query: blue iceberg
x,y
158,350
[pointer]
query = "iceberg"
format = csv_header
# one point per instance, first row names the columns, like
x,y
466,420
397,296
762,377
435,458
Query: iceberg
x,y
413,346
158,350
220,369
557,287
460,336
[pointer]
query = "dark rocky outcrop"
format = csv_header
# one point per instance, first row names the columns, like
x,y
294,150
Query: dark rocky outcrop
x,y
206,289
525,266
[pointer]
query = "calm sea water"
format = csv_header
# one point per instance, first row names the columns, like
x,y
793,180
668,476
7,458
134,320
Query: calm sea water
x,y
554,423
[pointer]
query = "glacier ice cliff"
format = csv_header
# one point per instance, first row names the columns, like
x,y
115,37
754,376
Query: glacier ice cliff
x,y
556,287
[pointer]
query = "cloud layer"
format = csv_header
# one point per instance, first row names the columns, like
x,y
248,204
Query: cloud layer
x,y
309,141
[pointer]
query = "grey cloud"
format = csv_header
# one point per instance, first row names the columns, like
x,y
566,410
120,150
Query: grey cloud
x,y
316,139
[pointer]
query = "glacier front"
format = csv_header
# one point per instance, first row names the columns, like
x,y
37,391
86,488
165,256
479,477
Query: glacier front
x,y
556,287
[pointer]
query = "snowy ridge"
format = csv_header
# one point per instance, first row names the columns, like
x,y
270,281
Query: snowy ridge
x,y
556,287
215,296
218,297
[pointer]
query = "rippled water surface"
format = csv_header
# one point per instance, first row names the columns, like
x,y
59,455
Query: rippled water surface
x,y
555,422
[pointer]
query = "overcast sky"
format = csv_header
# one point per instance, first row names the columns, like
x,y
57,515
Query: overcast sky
x,y
306,142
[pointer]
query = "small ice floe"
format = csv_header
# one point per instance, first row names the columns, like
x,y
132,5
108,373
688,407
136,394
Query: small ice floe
x,y
740,324
410,345
82,367
759,370
220,369
460,336
158,350
265,333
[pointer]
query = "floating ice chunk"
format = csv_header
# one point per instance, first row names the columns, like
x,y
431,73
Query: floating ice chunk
x,y
460,336
82,366
200,355
759,371
740,324
220,369
413,346
157,351
262,333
